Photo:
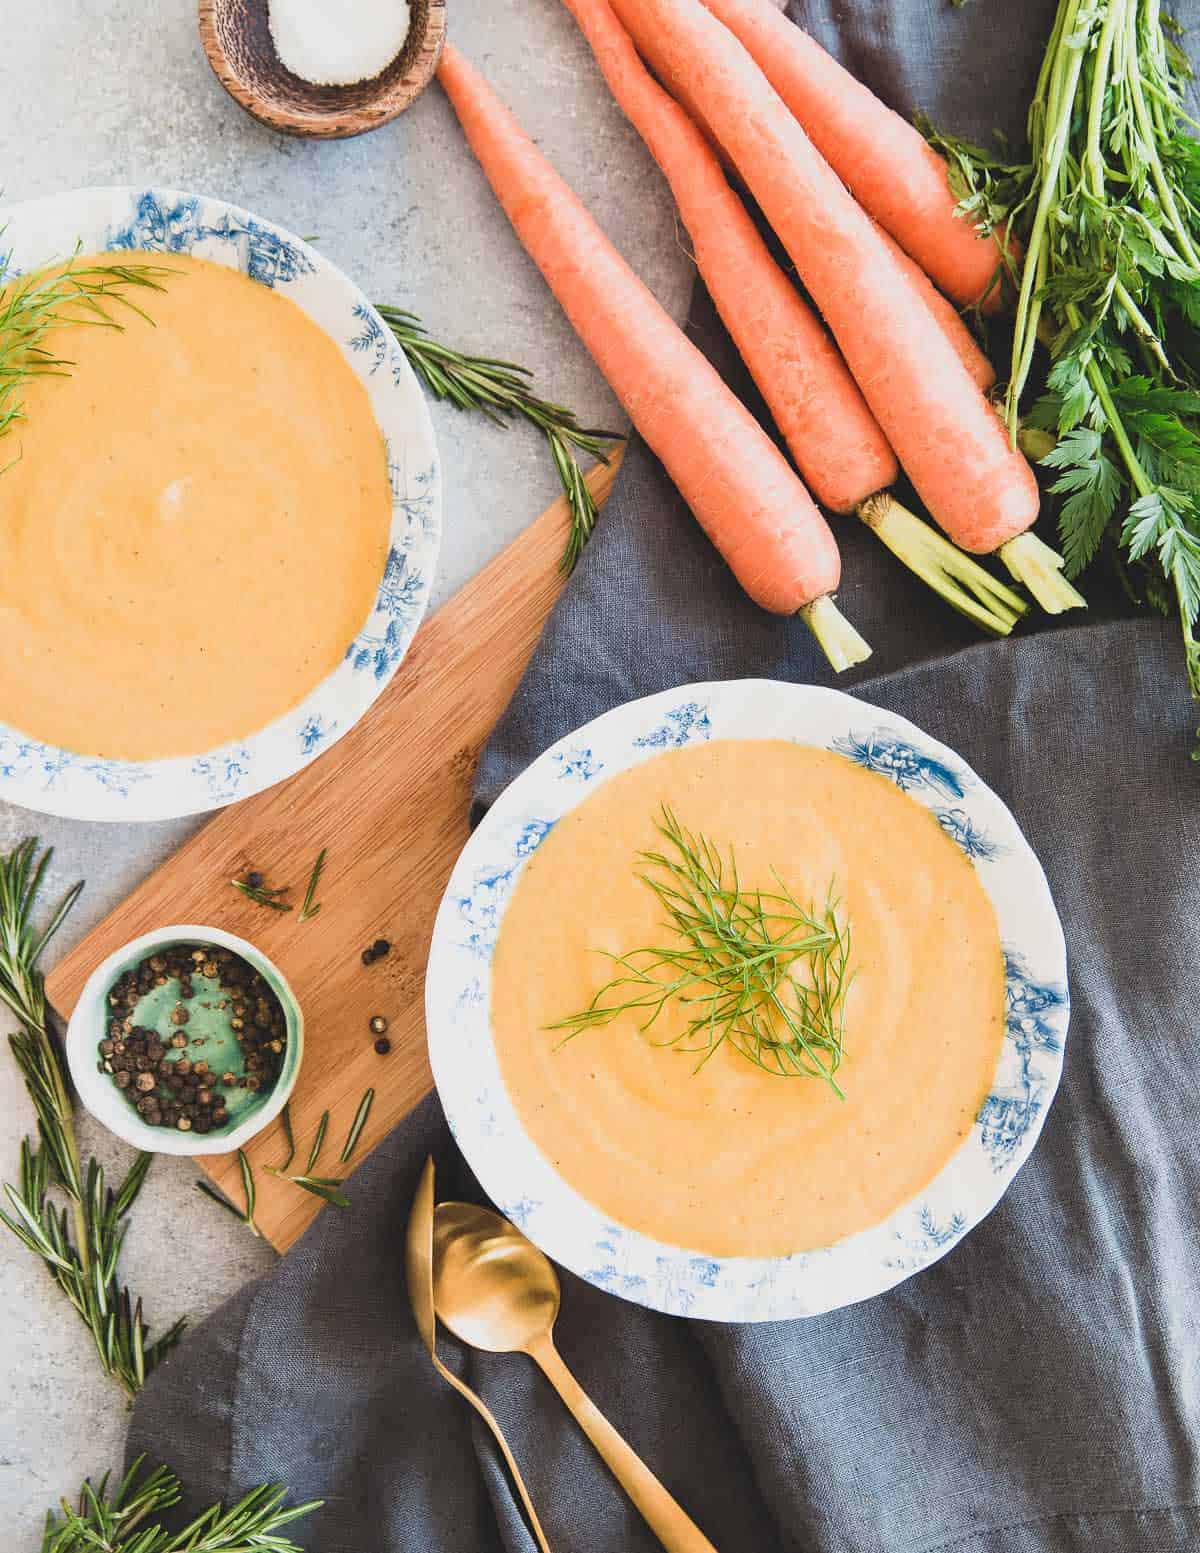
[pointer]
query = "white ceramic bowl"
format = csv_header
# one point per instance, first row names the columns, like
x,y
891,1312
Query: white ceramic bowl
x,y
108,1104
524,1184
58,781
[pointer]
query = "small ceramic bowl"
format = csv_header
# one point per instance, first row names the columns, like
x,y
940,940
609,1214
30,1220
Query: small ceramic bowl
x,y
237,39
107,1103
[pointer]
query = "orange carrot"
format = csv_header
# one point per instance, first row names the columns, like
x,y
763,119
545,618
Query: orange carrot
x,y
948,439
891,170
836,441
650,46
839,449
730,473
949,319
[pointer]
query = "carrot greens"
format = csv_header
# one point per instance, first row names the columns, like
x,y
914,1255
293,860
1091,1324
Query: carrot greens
x,y
1107,202
753,968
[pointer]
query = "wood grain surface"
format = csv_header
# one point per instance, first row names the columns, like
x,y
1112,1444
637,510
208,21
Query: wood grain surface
x,y
390,803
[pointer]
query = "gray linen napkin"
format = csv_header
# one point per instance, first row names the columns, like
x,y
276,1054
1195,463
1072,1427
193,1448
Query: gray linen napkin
x,y
1038,1391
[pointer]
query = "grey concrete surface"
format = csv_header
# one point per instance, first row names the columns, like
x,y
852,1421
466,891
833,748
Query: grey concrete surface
x,y
118,91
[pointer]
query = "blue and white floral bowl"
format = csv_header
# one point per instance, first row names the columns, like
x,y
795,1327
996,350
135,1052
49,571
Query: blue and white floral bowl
x,y
522,1181
58,781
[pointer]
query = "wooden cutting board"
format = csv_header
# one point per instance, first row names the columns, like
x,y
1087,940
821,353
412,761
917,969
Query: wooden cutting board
x,y
390,803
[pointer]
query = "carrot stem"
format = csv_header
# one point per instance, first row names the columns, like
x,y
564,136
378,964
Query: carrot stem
x,y
1041,570
955,576
838,639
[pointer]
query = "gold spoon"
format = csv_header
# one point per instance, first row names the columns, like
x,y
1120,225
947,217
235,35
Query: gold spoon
x,y
495,1290
418,1261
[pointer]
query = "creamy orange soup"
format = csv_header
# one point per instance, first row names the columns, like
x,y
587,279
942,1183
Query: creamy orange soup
x,y
729,1160
196,526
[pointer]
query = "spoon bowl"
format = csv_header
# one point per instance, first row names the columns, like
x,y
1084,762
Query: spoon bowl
x,y
237,40
494,1288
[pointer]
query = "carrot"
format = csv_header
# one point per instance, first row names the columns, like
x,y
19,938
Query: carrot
x,y
891,170
838,446
730,473
650,46
946,315
839,449
948,439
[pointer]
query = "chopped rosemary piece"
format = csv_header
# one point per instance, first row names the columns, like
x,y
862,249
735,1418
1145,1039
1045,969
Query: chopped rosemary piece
x,y
356,1127
501,391
286,1120
309,907
327,1188
80,1243
318,1141
243,1215
735,967
264,895
119,1522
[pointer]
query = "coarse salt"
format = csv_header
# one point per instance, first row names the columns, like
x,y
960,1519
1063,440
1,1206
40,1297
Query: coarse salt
x,y
338,42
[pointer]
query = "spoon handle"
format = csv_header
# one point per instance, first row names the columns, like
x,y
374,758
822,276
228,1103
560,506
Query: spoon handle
x,y
488,1417
665,1517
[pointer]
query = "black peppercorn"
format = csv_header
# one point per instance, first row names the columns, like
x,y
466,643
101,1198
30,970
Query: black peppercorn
x,y
381,947
254,879
383,1046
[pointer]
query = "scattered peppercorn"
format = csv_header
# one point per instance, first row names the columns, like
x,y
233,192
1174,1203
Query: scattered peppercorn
x,y
254,879
378,1024
381,947
383,1046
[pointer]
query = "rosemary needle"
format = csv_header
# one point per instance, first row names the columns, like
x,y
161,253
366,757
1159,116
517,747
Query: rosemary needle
x,y
318,1141
309,908
286,1120
732,965
502,391
264,895
356,1126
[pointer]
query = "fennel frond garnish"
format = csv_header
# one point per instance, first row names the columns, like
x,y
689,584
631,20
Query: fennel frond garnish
x,y
68,295
751,968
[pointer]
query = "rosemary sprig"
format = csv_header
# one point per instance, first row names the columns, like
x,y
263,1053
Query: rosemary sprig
x,y
311,906
263,894
502,391
74,294
79,1243
734,967
1107,204
120,1522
